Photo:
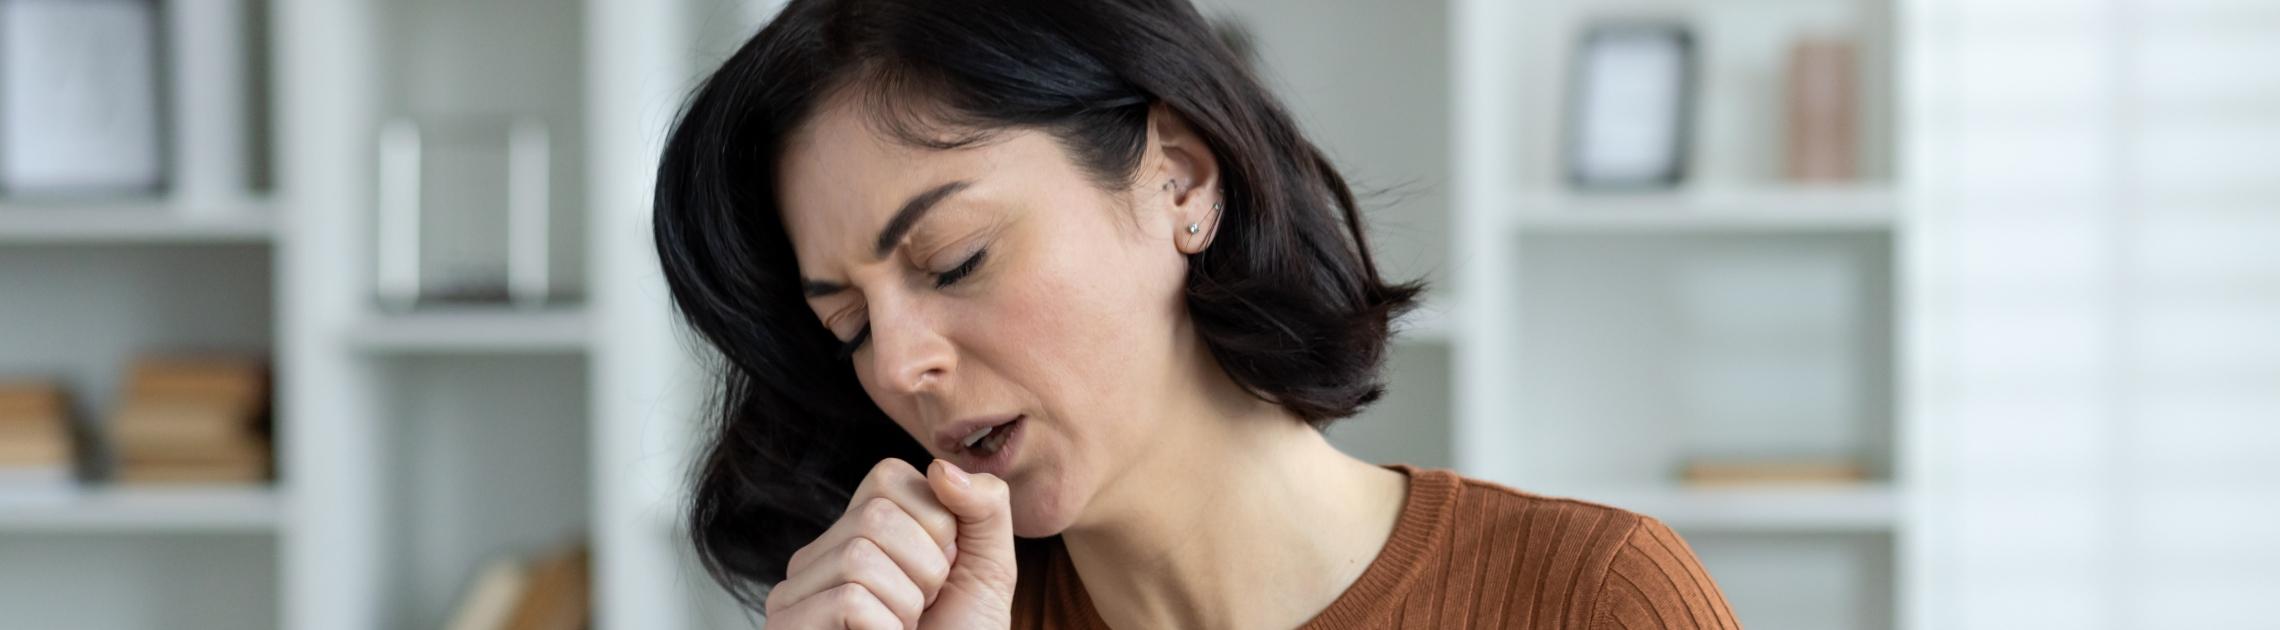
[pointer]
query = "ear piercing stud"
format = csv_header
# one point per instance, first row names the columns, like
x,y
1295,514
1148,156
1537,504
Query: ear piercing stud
x,y
1198,227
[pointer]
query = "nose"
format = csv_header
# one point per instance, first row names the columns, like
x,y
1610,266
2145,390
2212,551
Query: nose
x,y
912,353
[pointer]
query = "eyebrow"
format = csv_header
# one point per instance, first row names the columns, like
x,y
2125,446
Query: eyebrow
x,y
912,210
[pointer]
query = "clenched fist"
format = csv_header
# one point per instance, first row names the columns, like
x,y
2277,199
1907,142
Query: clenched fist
x,y
913,550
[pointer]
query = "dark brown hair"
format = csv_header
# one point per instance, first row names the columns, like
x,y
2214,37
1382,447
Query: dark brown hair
x,y
1287,298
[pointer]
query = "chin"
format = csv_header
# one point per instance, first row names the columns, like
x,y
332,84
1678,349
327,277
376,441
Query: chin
x,y
1040,511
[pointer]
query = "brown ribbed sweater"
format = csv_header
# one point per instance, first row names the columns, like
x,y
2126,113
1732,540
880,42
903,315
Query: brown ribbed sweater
x,y
1470,554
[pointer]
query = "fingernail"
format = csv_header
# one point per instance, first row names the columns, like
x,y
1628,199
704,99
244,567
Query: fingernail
x,y
957,475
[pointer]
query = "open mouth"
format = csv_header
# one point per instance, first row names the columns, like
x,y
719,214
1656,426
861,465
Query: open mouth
x,y
986,441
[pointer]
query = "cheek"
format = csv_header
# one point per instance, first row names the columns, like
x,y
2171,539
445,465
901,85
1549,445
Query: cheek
x,y
1087,330
1085,318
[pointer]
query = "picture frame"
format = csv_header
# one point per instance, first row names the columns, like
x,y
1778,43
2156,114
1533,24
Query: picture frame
x,y
79,98
1631,97
465,214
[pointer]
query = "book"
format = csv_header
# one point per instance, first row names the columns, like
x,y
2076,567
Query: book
x,y
163,431
1718,472
35,428
227,382
38,398
559,595
244,471
192,420
491,598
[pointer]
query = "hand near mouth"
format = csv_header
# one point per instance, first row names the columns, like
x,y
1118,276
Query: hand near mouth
x,y
911,551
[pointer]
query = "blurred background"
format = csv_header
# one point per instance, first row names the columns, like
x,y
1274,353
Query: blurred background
x,y
1906,313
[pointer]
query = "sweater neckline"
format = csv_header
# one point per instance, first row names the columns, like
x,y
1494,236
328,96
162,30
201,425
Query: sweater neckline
x,y
1421,528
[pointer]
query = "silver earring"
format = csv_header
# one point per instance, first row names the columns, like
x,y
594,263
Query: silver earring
x,y
1195,227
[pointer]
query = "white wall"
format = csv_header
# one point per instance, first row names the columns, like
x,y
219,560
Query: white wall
x,y
2100,314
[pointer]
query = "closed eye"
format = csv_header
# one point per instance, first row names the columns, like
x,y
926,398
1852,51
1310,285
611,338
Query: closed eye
x,y
941,280
960,272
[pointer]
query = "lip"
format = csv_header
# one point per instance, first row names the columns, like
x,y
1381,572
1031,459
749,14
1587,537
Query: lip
x,y
947,440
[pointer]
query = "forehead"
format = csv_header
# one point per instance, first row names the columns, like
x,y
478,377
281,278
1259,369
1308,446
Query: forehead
x,y
841,177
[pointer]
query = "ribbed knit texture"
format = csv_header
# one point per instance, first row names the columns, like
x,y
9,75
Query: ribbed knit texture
x,y
1470,554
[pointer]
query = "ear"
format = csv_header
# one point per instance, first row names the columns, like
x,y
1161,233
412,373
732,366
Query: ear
x,y
1186,176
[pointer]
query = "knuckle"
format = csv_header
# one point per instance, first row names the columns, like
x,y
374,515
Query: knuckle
x,y
799,558
851,596
860,552
878,513
892,468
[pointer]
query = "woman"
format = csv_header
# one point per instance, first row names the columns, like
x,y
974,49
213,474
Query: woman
x,y
1070,260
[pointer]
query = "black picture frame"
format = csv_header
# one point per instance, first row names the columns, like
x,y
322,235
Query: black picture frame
x,y
1585,81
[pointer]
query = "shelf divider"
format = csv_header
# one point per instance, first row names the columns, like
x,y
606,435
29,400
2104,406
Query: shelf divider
x,y
104,508
474,331
1768,209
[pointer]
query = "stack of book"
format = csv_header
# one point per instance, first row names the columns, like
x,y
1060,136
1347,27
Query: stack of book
x,y
35,439
193,420
551,593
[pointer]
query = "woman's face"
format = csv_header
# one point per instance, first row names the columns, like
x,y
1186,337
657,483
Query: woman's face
x,y
999,282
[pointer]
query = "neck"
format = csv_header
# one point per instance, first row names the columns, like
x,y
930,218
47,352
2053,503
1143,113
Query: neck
x,y
1250,519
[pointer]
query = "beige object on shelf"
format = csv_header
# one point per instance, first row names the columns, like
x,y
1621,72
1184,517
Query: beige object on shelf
x,y
192,420
35,428
227,381
1726,472
1823,125
253,469
560,594
490,600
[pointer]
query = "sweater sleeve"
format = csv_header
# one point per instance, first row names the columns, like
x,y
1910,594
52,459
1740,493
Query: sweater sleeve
x,y
1656,582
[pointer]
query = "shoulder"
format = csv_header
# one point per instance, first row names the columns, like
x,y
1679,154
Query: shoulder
x,y
1485,516
1573,563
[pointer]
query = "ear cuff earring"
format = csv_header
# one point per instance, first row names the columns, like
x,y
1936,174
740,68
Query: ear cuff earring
x,y
1198,227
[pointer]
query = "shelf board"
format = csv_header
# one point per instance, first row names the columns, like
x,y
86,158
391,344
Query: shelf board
x,y
474,330
1868,507
1720,210
153,221
162,509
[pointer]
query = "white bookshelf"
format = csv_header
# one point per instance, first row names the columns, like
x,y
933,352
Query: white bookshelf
x,y
450,436
1603,340
412,447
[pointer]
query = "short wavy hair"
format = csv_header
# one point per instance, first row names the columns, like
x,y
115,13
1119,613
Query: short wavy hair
x,y
1287,298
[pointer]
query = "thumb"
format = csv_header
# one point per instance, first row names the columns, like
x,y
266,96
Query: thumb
x,y
984,544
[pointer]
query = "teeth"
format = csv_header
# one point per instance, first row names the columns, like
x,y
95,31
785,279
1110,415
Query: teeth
x,y
977,436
